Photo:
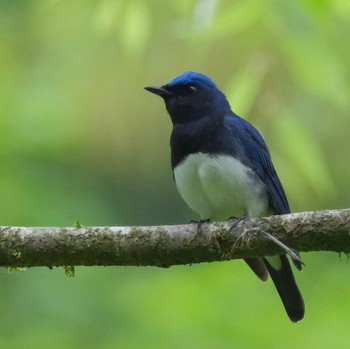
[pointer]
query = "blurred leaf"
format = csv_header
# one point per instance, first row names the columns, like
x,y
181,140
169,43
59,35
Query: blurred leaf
x,y
301,148
107,15
319,7
242,90
204,13
329,70
136,27
312,55
238,17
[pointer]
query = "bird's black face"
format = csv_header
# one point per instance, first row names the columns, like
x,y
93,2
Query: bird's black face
x,y
184,102
189,100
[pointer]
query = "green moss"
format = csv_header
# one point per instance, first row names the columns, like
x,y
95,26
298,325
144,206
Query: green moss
x,y
15,269
77,224
69,270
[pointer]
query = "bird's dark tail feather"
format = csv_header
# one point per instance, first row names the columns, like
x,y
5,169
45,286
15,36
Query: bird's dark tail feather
x,y
258,266
287,288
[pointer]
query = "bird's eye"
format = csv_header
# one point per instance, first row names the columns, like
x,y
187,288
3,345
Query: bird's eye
x,y
192,88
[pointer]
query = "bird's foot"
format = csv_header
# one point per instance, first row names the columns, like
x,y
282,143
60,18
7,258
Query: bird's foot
x,y
200,224
298,263
293,254
234,221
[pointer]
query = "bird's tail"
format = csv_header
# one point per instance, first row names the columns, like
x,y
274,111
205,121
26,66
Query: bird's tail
x,y
283,278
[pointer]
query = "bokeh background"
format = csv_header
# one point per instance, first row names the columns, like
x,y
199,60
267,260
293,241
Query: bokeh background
x,y
81,139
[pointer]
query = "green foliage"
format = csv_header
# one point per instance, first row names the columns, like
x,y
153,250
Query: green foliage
x,y
81,138
69,270
16,269
77,224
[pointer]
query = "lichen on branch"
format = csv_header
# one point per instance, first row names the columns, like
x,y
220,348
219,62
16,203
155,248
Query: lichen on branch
x,y
168,245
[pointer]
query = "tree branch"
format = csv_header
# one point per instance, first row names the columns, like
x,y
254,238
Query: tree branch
x,y
164,246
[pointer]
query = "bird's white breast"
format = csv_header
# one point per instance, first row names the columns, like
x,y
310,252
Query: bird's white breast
x,y
219,187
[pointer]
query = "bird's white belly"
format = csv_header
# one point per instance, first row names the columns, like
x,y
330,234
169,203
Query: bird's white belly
x,y
219,187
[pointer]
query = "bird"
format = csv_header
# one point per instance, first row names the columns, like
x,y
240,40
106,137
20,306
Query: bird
x,y
222,168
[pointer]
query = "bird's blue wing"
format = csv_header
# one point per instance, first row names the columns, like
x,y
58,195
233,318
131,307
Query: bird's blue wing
x,y
257,156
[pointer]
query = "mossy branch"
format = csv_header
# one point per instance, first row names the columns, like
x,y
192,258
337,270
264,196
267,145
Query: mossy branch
x,y
164,246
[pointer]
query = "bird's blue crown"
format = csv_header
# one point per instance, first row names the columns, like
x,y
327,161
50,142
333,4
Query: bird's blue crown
x,y
191,77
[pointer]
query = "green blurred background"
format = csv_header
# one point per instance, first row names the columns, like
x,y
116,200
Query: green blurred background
x,y
81,139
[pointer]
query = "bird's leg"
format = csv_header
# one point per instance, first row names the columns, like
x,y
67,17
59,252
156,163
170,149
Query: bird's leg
x,y
298,263
294,255
234,221
199,224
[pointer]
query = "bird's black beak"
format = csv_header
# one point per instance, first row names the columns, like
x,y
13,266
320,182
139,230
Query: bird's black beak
x,y
158,90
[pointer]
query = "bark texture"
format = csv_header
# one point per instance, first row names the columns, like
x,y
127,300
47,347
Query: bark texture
x,y
164,246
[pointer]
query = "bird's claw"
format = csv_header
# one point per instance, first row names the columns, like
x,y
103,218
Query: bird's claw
x,y
293,254
234,221
200,224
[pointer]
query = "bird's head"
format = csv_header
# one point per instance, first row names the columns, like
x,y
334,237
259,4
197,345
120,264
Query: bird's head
x,y
191,96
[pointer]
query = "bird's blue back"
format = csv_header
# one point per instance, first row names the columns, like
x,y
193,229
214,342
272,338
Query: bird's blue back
x,y
255,152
